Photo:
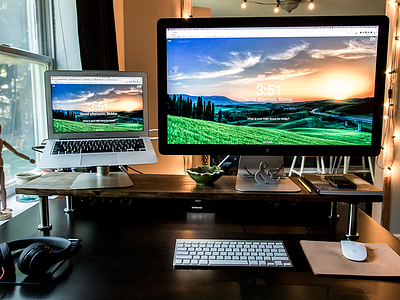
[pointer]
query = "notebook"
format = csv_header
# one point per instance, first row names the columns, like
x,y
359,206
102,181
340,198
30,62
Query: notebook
x,y
92,105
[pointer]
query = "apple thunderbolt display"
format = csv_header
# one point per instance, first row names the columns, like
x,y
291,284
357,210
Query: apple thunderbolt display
x,y
272,86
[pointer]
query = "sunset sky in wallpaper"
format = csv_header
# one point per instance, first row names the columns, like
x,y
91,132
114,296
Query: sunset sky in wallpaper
x,y
298,68
113,98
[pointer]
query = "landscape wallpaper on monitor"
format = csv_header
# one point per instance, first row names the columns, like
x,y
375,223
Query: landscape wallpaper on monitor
x,y
271,91
97,108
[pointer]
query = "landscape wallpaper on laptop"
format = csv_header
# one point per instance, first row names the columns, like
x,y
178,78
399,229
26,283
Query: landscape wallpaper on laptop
x,y
97,108
286,91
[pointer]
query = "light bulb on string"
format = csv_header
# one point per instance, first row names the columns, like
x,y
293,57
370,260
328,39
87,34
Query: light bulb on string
x,y
390,170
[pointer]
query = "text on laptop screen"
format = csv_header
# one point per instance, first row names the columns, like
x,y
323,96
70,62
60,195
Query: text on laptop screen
x,y
96,104
285,84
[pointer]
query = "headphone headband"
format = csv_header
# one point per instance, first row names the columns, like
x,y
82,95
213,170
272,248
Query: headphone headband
x,y
63,244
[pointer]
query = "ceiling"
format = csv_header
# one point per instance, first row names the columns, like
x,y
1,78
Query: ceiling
x,y
231,8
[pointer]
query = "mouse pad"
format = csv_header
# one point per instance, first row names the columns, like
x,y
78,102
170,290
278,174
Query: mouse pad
x,y
326,258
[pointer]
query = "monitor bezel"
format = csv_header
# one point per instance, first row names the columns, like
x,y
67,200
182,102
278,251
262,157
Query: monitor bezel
x,y
321,150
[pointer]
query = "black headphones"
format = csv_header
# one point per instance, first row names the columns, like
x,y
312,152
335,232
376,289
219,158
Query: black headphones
x,y
39,255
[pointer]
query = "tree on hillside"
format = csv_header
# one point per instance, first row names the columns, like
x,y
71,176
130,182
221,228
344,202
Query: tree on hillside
x,y
177,106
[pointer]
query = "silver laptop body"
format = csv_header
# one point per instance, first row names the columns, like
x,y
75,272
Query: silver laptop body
x,y
92,105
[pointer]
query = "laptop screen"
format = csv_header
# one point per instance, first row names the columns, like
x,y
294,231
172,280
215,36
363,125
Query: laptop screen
x,y
99,104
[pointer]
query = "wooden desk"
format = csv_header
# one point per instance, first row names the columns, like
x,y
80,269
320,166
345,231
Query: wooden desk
x,y
127,253
178,187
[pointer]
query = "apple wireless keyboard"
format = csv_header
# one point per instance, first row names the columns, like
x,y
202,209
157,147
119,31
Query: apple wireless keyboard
x,y
206,253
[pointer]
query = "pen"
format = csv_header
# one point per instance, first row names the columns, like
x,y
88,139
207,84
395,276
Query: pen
x,y
304,184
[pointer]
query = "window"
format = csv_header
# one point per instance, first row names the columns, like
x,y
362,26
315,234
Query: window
x,y
25,53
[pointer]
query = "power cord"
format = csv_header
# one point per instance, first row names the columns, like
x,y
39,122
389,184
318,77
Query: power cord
x,y
40,147
154,130
137,171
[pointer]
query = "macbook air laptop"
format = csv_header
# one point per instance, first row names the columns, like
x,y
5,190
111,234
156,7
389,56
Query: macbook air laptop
x,y
84,107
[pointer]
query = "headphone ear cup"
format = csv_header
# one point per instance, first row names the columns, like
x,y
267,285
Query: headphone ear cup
x,y
36,259
7,262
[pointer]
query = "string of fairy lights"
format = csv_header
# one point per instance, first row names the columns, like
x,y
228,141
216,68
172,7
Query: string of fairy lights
x,y
287,5
387,157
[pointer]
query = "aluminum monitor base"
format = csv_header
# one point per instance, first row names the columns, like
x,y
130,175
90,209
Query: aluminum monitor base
x,y
103,179
249,165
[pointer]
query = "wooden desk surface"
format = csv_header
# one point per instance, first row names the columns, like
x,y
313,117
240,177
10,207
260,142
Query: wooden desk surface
x,y
127,253
175,187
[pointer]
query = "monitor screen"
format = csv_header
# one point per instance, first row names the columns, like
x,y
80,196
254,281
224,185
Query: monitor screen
x,y
272,86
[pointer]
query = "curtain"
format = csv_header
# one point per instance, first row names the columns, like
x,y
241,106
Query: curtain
x,y
97,38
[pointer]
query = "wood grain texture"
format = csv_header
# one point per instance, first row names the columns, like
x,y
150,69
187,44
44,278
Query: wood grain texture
x,y
175,187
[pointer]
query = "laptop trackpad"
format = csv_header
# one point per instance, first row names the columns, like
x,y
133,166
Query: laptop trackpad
x,y
99,160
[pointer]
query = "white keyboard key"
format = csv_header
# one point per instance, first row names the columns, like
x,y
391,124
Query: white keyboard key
x,y
280,254
280,258
183,256
228,262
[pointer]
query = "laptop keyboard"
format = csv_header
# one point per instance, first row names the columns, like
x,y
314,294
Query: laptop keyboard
x,y
96,146
205,253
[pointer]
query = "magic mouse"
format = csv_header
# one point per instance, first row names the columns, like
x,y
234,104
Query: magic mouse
x,y
354,250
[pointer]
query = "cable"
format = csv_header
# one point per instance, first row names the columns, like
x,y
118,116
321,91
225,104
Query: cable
x,y
38,148
135,170
122,168
153,130
222,161
2,273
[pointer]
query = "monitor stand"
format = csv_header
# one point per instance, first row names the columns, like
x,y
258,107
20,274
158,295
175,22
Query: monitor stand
x,y
250,165
103,179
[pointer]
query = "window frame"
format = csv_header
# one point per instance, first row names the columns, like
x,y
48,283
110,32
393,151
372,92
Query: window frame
x,y
46,47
